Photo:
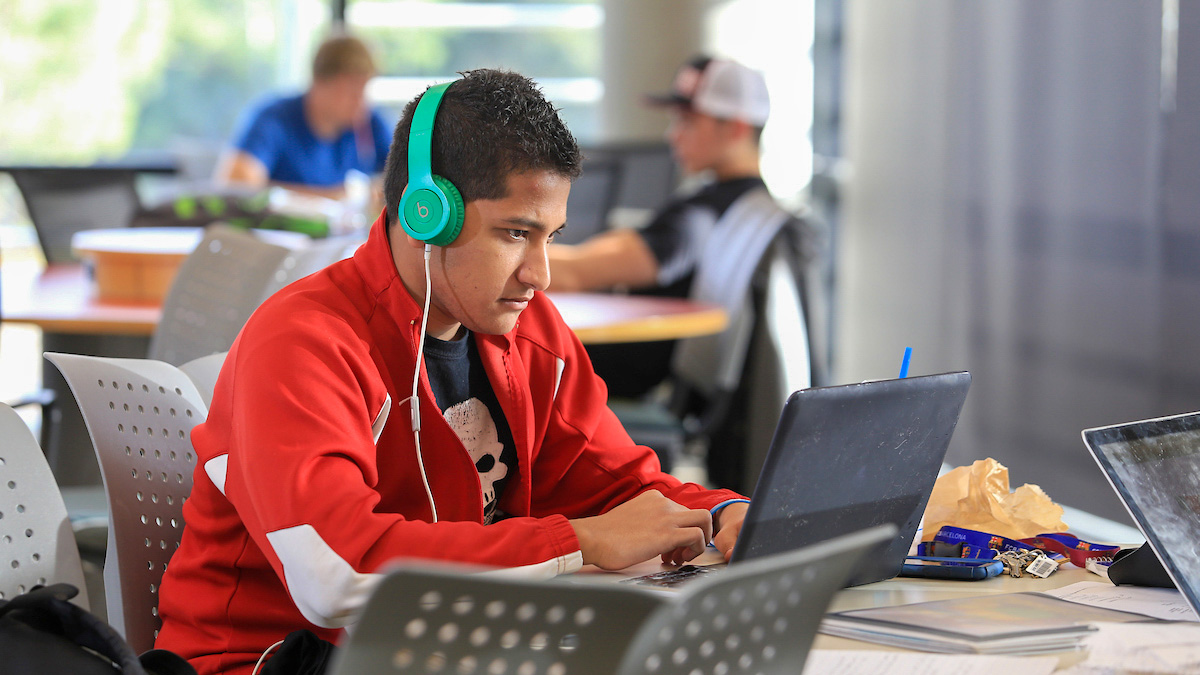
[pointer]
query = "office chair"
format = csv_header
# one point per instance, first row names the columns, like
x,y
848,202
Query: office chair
x,y
218,287
647,175
758,616
592,197
139,414
63,201
751,267
37,546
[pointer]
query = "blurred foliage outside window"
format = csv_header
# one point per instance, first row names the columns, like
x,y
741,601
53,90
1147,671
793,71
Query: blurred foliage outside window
x,y
419,42
88,80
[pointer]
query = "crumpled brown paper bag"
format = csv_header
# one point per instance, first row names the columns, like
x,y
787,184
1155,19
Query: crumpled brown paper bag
x,y
977,497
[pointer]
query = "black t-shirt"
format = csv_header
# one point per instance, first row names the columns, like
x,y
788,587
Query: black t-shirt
x,y
468,403
679,232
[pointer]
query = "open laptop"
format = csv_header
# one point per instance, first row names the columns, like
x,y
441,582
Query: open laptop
x,y
846,458
1154,465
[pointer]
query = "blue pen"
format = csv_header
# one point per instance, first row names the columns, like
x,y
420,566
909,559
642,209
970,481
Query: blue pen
x,y
904,363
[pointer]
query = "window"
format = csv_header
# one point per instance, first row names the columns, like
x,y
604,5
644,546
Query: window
x,y
421,42
86,80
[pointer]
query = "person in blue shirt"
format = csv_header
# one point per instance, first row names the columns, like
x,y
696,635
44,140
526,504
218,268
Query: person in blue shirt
x,y
309,142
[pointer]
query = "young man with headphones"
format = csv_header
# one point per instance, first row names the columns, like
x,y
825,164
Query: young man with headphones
x,y
422,399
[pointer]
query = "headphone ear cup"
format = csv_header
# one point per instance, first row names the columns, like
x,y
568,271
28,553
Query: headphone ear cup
x,y
454,220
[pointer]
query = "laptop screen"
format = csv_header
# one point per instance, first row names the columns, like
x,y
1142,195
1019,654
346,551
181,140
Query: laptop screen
x,y
1154,465
850,457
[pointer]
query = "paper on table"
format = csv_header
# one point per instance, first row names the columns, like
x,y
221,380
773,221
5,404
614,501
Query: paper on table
x,y
1149,649
853,662
1160,603
977,497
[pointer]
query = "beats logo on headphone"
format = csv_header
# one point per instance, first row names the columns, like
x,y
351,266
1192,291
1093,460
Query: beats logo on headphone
x,y
431,209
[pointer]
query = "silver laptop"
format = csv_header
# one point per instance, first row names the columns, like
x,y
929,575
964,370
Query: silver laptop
x,y
1154,465
844,459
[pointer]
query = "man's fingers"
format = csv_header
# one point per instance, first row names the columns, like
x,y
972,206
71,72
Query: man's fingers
x,y
698,518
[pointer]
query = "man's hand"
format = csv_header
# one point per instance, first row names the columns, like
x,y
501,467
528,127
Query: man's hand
x,y
641,528
729,526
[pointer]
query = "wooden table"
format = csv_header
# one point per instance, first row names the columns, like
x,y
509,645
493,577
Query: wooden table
x,y
62,299
603,318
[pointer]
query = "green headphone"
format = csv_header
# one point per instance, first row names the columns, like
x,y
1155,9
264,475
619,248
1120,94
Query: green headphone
x,y
431,209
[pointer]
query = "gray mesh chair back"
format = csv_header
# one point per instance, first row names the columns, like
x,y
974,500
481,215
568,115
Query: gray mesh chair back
x,y
37,545
593,195
140,414
217,289
203,373
63,201
756,617
647,174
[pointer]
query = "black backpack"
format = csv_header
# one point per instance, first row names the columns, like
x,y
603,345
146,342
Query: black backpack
x,y
41,632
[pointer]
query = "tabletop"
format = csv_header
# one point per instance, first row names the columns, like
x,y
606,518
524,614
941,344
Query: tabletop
x,y
895,591
62,299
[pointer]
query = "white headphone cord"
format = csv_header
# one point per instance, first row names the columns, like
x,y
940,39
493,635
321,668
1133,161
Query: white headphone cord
x,y
264,656
414,404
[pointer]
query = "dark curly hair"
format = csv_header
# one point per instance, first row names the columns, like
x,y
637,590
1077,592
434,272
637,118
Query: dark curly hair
x,y
491,123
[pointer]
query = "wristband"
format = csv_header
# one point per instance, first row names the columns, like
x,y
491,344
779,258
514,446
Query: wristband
x,y
725,503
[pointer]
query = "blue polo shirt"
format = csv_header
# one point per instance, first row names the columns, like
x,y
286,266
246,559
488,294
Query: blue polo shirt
x,y
276,132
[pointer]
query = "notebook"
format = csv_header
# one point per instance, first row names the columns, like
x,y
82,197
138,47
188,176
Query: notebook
x,y
1154,466
846,458
997,623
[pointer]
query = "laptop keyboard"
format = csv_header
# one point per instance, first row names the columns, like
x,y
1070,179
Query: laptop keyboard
x,y
673,577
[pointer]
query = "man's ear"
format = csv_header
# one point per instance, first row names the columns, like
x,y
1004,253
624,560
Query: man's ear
x,y
412,242
739,130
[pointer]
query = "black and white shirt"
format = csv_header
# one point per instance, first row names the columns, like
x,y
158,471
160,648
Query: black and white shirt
x,y
465,396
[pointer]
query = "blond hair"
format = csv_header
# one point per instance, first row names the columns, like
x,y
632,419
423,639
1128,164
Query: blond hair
x,y
342,55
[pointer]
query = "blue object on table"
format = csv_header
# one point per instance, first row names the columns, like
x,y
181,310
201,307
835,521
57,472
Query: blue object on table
x,y
904,363
950,568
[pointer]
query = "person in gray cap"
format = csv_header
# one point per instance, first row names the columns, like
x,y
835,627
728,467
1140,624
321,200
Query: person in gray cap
x,y
718,109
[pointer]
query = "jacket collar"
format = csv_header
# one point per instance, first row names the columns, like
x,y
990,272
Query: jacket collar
x,y
378,269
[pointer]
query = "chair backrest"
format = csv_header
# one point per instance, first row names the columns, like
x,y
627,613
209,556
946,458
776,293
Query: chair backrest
x,y
37,545
758,616
140,414
63,201
736,247
218,287
647,173
203,373
593,195
317,255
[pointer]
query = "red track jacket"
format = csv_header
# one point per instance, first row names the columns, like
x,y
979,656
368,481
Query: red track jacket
x,y
307,480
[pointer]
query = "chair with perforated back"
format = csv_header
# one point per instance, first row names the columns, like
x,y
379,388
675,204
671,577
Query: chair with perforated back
x,y
758,616
218,287
140,414
37,546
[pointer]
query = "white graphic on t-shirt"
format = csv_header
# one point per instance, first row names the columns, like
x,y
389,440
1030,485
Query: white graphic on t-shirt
x,y
475,427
